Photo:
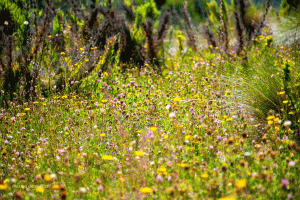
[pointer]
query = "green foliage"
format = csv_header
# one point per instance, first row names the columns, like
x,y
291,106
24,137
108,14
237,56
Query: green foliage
x,y
197,9
147,10
288,6
17,15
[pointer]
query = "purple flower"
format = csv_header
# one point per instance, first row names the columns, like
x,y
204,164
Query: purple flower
x,y
169,163
290,196
159,178
169,178
224,139
100,188
60,152
13,119
22,129
150,133
6,142
180,148
120,95
211,147
219,137
98,80
42,119
285,182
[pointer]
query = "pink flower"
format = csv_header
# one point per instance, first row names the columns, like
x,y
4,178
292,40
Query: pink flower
x,y
100,188
159,178
291,163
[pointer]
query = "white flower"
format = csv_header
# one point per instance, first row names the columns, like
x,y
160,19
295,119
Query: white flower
x,y
287,123
26,22
172,115
168,107
83,190
6,22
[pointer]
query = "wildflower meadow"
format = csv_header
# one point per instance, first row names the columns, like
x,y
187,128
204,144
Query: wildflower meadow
x,y
149,100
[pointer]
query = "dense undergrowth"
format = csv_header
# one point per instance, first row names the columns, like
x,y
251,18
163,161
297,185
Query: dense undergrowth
x,y
145,110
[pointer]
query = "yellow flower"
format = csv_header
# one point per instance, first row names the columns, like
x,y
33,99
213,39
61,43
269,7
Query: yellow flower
x,y
146,190
27,109
279,93
187,137
104,101
138,153
62,53
82,49
67,133
35,102
270,117
285,102
227,198
55,187
166,137
241,183
107,157
229,119
153,128
270,122
162,169
47,178
40,189
4,186
204,175
102,134
177,99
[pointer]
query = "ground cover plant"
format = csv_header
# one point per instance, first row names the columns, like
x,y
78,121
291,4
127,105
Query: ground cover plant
x,y
100,102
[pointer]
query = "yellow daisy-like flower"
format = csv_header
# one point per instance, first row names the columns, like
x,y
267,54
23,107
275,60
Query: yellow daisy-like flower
x,y
153,128
270,117
177,99
55,187
162,169
40,189
227,198
104,101
240,184
138,153
229,119
4,186
146,190
285,102
47,178
27,109
187,137
107,157
204,175
102,134
270,122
